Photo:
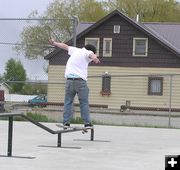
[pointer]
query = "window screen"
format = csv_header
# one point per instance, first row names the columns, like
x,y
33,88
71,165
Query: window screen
x,y
106,85
155,86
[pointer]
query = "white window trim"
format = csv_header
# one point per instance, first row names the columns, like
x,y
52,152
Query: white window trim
x,y
104,47
117,29
146,50
94,38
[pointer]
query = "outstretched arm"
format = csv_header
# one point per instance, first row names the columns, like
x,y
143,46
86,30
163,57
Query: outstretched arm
x,y
59,44
94,58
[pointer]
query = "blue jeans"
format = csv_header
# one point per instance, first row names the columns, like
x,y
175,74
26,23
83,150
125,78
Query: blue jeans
x,y
80,88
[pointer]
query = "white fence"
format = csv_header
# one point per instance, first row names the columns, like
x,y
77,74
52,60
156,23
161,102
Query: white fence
x,y
18,97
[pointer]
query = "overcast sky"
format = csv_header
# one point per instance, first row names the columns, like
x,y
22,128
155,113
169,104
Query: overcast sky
x,y
20,9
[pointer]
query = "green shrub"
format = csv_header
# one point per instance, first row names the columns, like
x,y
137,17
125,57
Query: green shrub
x,y
77,120
38,117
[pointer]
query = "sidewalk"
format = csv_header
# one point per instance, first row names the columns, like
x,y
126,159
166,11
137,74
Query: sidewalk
x,y
114,148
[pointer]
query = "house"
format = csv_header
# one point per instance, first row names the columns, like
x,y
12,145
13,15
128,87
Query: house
x,y
125,47
5,87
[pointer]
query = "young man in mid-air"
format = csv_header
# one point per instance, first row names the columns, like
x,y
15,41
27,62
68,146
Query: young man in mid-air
x,y
76,80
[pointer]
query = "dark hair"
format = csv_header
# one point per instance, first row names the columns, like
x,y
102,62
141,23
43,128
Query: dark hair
x,y
91,48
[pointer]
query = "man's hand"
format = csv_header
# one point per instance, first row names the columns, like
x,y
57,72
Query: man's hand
x,y
51,42
94,58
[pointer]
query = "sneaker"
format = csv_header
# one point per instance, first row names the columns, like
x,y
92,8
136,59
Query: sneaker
x,y
88,125
66,125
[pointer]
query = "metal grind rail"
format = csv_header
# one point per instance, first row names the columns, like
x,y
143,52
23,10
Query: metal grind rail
x,y
58,132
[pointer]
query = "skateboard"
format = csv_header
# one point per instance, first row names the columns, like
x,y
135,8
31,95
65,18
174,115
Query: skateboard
x,y
84,129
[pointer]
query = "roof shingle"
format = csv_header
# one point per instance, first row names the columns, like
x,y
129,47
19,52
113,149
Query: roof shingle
x,y
169,32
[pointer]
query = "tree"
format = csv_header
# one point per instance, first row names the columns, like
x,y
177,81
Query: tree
x,y
32,89
14,71
91,10
149,10
34,39
162,11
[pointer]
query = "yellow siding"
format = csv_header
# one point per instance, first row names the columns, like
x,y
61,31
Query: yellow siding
x,y
56,84
122,88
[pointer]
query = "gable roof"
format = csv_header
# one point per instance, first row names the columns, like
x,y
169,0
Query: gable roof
x,y
169,37
167,32
83,26
5,85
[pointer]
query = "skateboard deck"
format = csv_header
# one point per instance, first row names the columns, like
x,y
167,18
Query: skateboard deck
x,y
84,129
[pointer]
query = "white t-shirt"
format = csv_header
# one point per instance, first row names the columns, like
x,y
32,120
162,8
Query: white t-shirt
x,y
78,61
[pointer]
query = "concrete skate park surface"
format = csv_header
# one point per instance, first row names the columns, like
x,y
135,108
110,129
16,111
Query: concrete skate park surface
x,y
113,148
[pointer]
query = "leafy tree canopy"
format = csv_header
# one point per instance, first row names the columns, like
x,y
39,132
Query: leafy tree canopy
x,y
14,71
149,10
34,39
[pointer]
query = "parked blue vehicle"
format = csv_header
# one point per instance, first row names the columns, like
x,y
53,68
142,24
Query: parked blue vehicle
x,y
39,100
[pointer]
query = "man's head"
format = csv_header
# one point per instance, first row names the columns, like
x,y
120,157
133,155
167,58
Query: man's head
x,y
91,48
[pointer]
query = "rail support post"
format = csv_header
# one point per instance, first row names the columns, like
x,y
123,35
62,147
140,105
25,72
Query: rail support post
x,y
10,134
92,134
59,140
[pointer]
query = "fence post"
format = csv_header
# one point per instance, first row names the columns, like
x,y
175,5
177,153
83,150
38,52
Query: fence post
x,y
75,22
10,134
170,99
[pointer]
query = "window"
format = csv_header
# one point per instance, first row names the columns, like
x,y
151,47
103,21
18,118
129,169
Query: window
x,y
116,29
93,41
106,85
140,46
155,86
107,47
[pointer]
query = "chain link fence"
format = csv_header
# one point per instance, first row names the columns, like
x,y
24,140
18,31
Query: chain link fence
x,y
133,100
142,100
26,40
137,100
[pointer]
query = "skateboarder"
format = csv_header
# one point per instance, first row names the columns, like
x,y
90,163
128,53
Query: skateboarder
x,y
76,77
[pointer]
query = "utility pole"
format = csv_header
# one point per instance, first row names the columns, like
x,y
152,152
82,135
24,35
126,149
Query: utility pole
x,y
75,23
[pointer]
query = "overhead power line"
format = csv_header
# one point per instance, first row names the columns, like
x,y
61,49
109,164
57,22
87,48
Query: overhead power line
x,y
20,44
24,19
